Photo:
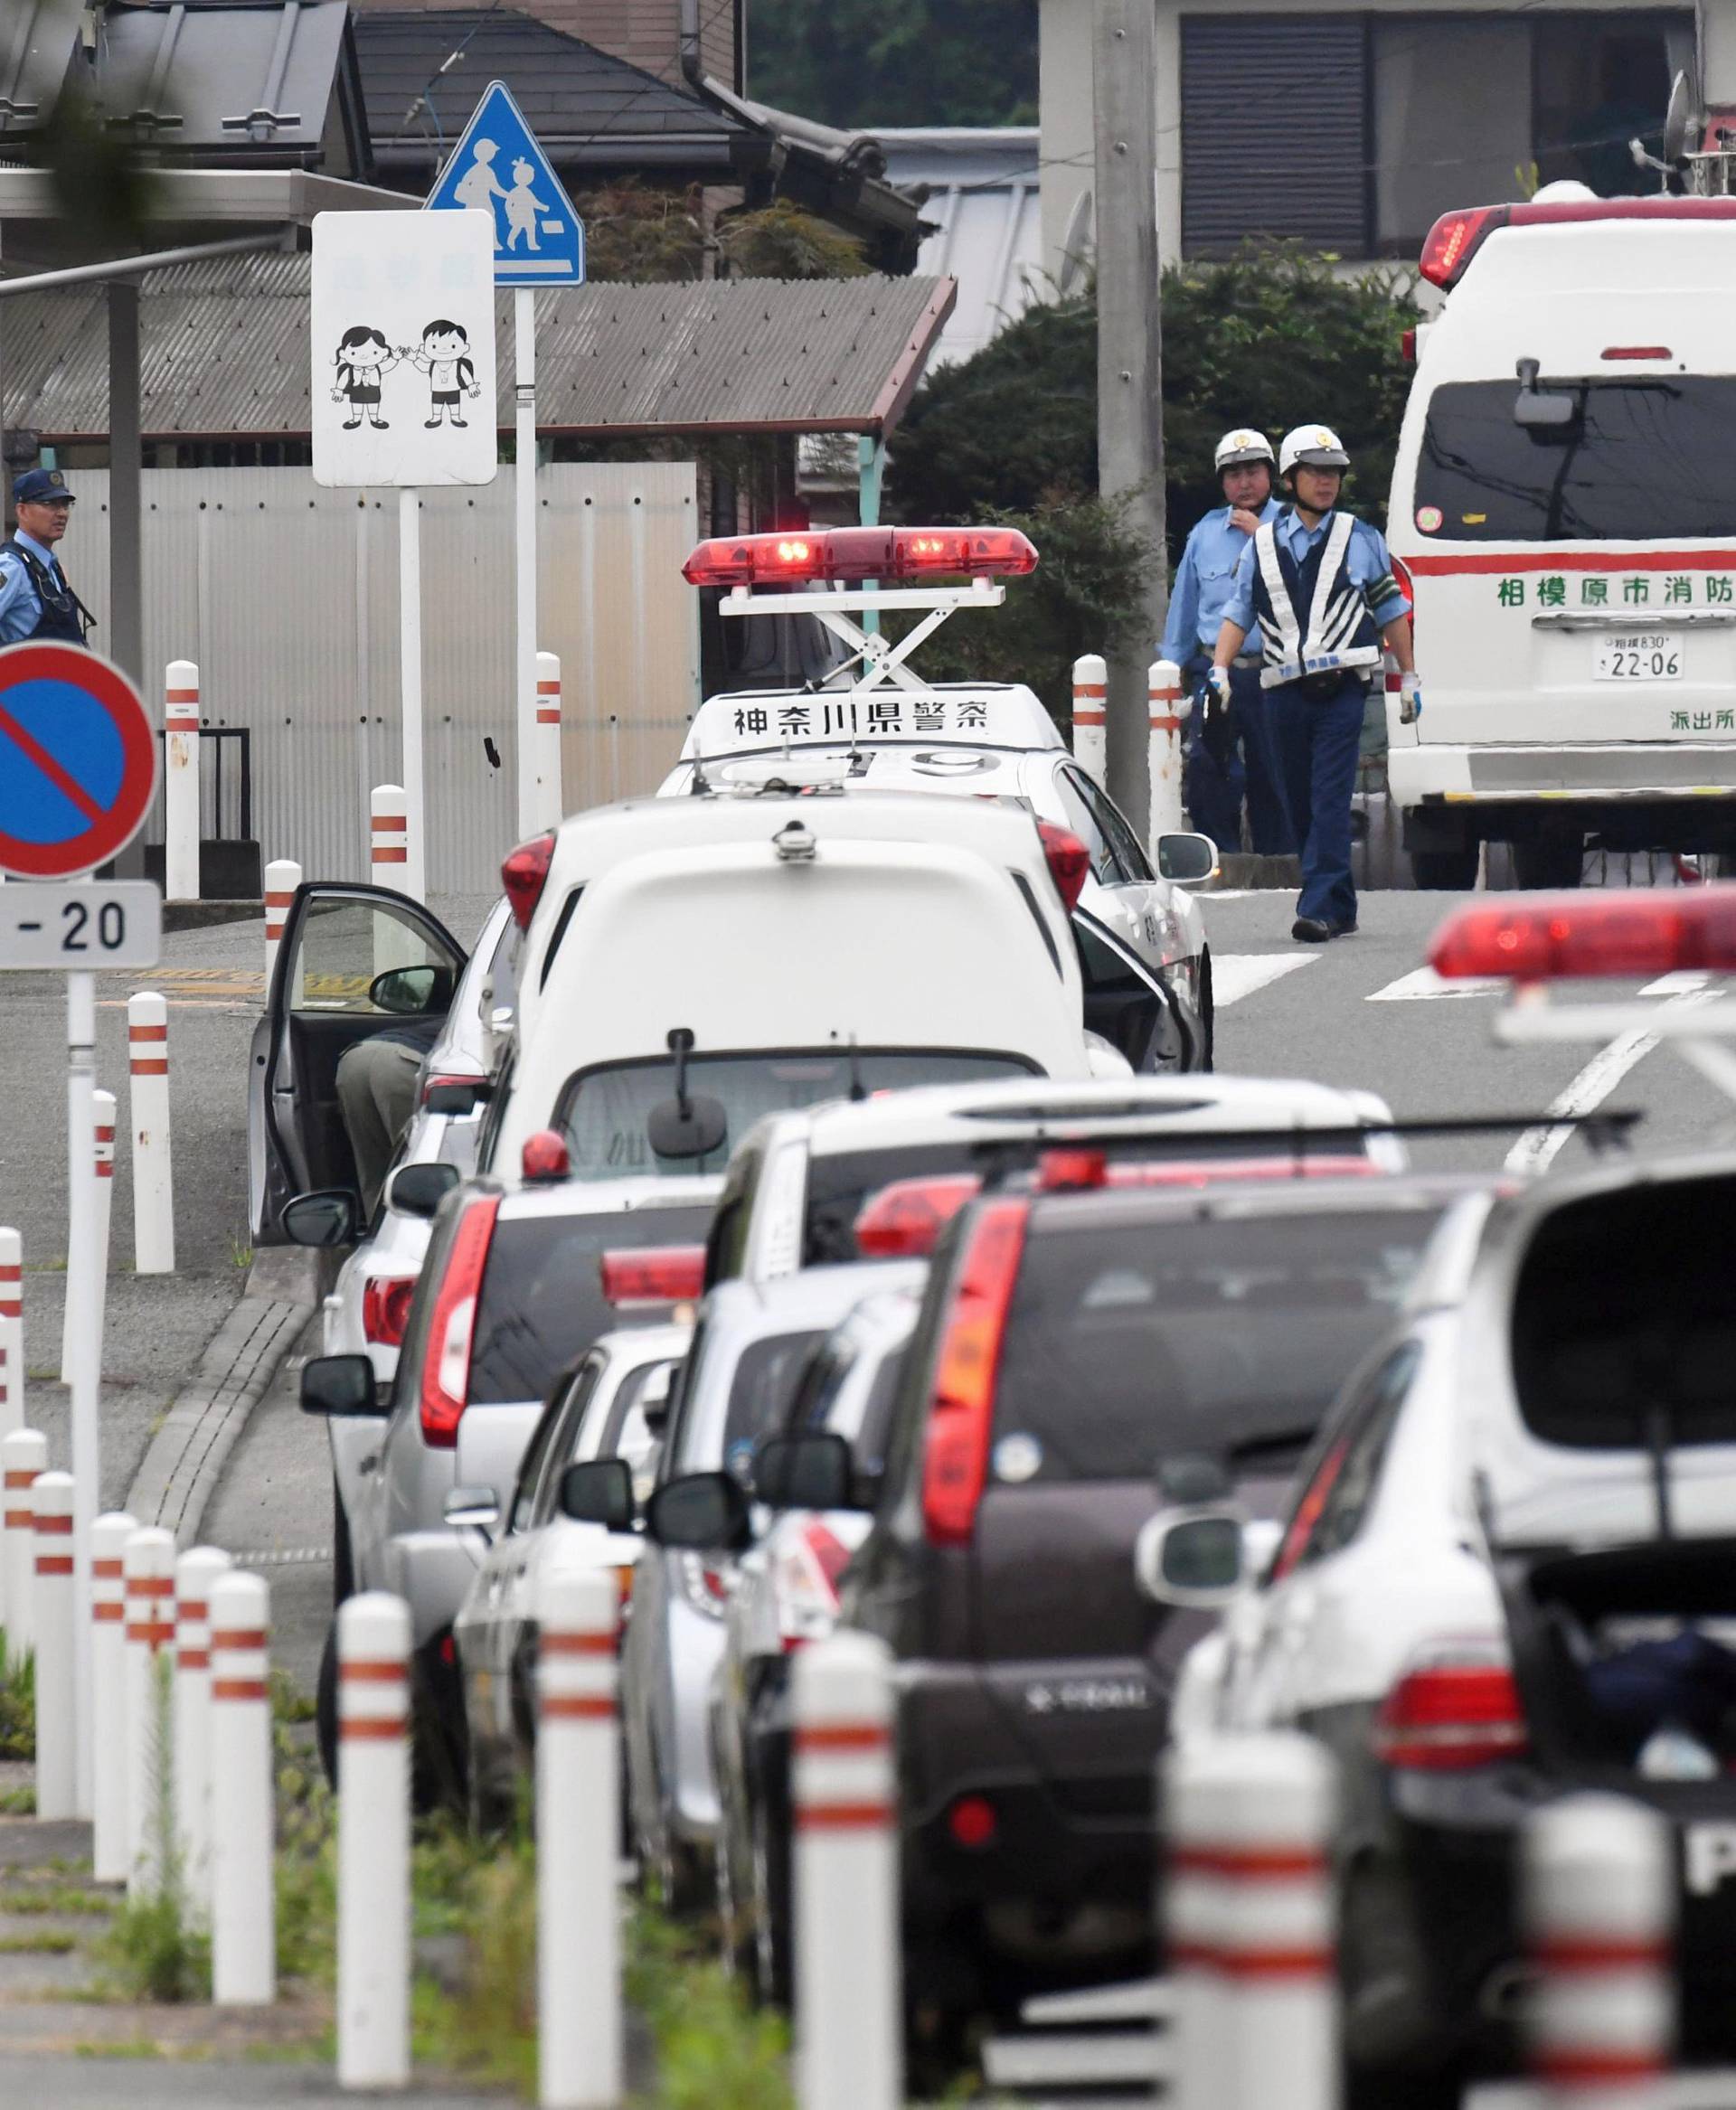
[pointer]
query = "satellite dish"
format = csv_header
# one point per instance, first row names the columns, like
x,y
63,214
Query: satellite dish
x,y
1679,120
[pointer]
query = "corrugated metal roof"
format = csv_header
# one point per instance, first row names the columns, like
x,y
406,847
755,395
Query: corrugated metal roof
x,y
204,81
224,352
984,203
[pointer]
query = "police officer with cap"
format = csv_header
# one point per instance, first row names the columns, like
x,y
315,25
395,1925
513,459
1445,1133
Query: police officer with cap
x,y
1212,769
35,601
1319,586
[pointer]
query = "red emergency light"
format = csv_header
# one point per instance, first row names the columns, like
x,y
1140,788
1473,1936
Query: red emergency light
x,y
653,1274
1073,1171
845,555
1456,237
1551,937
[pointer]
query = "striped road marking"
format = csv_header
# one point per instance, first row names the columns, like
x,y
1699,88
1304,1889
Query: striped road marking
x,y
1238,974
1422,983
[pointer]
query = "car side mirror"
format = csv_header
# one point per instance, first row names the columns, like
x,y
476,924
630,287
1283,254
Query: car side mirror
x,y
342,1386
1192,1558
411,991
705,1512
472,1508
1188,861
418,1190
598,1490
457,1099
815,1470
678,1131
327,1217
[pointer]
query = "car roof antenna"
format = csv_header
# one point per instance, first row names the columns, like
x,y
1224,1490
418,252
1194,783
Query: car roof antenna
x,y
858,1089
680,1044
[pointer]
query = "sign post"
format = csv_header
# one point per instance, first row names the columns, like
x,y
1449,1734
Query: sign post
x,y
539,240
403,396
78,771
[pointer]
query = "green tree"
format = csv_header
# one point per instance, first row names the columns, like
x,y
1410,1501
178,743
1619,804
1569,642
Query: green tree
x,y
858,63
1271,337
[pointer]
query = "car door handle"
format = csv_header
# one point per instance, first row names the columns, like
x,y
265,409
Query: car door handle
x,y
371,1464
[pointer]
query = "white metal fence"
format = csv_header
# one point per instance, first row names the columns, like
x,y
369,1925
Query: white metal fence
x,y
285,594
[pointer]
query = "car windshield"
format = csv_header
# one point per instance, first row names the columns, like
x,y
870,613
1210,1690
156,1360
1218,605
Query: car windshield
x,y
541,1303
1642,460
603,1111
1128,1342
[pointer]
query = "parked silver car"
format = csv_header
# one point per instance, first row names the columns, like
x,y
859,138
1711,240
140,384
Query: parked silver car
x,y
750,1348
612,1406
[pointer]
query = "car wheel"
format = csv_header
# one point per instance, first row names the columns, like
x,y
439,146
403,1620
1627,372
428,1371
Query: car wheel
x,y
1398,2049
771,1971
1445,871
325,1705
343,1553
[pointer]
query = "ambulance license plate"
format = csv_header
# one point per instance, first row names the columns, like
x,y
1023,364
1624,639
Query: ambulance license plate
x,y
1639,655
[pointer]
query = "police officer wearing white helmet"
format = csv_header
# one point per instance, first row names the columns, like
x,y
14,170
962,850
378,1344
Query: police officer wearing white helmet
x,y
1214,773
1319,587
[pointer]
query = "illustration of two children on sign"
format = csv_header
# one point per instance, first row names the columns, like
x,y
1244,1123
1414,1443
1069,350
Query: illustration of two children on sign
x,y
363,358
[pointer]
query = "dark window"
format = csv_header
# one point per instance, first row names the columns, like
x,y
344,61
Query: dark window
x,y
1123,1004
1643,460
1131,863
541,1303
1128,1341
603,1111
552,1440
1082,821
870,1440
1335,1499
839,1184
759,1394
726,1243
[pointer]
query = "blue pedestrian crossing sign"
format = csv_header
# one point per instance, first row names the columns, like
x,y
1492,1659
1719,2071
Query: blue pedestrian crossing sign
x,y
498,168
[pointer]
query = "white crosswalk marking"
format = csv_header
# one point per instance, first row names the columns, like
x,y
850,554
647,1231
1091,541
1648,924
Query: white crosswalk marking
x,y
1238,974
1422,983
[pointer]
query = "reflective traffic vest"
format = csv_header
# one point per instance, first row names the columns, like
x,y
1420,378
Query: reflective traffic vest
x,y
1312,619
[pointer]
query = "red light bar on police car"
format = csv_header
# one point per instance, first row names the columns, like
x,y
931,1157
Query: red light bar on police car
x,y
840,555
1456,237
1551,937
651,1275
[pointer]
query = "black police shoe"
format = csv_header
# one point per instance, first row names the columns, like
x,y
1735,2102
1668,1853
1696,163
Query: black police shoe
x,y
1311,930
1346,929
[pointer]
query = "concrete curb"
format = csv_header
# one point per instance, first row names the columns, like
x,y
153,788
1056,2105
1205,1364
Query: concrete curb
x,y
181,1469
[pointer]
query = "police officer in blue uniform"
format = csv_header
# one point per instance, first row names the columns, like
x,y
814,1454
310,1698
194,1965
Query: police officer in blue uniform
x,y
1226,752
1319,586
36,602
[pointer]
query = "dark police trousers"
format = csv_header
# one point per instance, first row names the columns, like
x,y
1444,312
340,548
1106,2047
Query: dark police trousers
x,y
1318,742
1213,790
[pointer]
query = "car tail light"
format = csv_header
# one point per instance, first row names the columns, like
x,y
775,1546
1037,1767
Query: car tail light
x,y
972,1824
1068,862
1455,239
544,1157
706,1586
850,555
447,1076
1061,1172
525,874
905,1219
955,1459
1544,937
446,1368
385,1308
1407,346
1455,1708
808,1569
654,1274
1637,352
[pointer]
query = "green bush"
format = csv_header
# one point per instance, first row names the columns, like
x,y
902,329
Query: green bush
x,y
17,1704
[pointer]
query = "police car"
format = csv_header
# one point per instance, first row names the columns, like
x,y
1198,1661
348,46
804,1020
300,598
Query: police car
x,y
875,726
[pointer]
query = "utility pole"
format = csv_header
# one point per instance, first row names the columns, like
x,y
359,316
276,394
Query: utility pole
x,y
1129,351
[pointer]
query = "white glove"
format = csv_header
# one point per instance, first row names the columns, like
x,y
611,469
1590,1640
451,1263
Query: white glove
x,y
1217,679
1410,698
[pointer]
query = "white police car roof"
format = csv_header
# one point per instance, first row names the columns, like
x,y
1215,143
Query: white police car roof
x,y
969,713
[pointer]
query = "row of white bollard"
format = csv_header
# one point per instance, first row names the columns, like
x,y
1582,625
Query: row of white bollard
x,y
1165,712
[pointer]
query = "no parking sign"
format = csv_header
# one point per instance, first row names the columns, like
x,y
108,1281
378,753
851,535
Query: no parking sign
x,y
78,761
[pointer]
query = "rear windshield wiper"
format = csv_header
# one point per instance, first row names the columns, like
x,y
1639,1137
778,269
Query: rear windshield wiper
x,y
1282,1439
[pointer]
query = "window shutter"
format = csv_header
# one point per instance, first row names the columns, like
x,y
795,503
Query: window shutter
x,y
1275,132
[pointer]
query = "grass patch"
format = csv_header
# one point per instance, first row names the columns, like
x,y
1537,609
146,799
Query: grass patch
x,y
120,2047
57,1898
19,1801
714,2051
17,1705
154,1947
42,1945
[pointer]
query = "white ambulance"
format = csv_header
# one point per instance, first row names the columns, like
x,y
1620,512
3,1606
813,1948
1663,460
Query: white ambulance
x,y
1563,512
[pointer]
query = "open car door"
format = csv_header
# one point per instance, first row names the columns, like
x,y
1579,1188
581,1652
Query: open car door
x,y
354,960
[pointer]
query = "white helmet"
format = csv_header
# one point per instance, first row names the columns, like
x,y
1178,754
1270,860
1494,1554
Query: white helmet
x,y
1316,445
1243,445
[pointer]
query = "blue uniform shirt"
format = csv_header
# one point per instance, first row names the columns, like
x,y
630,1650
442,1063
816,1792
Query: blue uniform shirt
x,y
1366,564
21,609
1204,581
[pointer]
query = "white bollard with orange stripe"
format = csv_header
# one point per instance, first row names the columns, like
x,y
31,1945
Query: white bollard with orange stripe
x,y
282,877
1091,715
849,2025
181,782
24,1456
1600,1908
374,1842
103,1114
12,1334
195,1574
243,1897
148,1108
1252,1925
578,1914
147,1562
394,943
1165,709
1187,1901
547,775
52,1600
109,1537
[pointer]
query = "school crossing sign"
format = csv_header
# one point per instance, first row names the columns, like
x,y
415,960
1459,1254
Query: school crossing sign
x,y
498,168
